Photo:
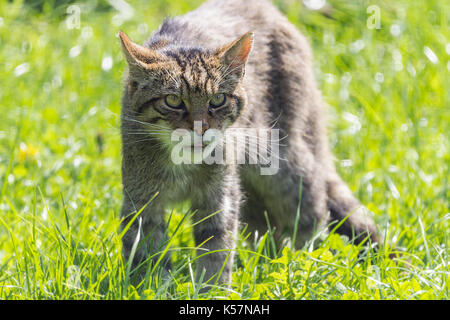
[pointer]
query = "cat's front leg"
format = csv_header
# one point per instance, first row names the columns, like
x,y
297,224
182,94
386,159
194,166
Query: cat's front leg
x,y
146,235
218,232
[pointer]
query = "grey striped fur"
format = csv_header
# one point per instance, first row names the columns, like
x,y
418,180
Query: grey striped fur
x,y
273,86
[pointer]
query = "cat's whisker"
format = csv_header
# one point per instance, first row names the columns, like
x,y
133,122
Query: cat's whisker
x,y
275,121
133,120
177,83
255,145
145,133
148,139
146,124
265,147
256,137
225,74
150,129
223,71
151,125
245,118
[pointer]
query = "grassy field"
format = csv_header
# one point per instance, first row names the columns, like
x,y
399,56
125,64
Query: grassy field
x,y
388,96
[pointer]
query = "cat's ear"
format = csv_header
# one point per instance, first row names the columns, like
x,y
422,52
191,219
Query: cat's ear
x,y
236,53
138,57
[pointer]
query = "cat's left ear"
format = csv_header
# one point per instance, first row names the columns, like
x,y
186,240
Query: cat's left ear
x,y
139,58
237,52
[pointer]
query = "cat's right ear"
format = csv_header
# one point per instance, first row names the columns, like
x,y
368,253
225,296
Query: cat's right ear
x,y
139,58
236,53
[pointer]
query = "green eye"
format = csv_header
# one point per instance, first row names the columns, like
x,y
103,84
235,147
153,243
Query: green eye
x,y
218,100
173,101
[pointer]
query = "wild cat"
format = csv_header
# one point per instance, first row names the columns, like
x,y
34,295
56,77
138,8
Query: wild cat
x,y
228,64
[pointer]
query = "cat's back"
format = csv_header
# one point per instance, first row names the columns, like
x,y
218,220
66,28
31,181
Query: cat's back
x,y
217,22
228,19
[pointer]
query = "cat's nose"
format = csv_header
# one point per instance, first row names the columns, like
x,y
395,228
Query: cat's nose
x,y
200,127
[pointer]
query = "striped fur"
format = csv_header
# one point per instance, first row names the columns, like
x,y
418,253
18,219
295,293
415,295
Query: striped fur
x,y
269,82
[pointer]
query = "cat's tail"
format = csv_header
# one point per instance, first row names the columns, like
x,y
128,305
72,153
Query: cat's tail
x,y
343,205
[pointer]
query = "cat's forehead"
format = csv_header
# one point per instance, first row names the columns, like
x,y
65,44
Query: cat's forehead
x,y
194,69
194,60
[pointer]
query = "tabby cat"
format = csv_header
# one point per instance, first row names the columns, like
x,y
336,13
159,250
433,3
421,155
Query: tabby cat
x,y
228,64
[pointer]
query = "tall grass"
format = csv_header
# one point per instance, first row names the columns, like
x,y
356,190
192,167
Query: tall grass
x,y
60,193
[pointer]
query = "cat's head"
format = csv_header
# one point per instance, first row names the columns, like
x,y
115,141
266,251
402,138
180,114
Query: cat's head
x,y
172,87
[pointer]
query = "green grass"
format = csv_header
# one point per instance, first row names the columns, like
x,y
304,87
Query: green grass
x,y
387,92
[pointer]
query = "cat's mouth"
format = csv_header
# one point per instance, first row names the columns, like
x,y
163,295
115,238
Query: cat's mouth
x,y
201,145
190,139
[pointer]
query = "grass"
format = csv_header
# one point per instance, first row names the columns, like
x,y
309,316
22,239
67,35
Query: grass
x,y
387,92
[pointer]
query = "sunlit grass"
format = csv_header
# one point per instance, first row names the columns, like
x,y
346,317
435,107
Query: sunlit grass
x,y
60,187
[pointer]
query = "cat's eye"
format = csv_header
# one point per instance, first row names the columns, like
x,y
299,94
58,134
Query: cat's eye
x,y
174,101
218,100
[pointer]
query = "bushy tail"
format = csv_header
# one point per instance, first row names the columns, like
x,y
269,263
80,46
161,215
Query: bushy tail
x,y
341,204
